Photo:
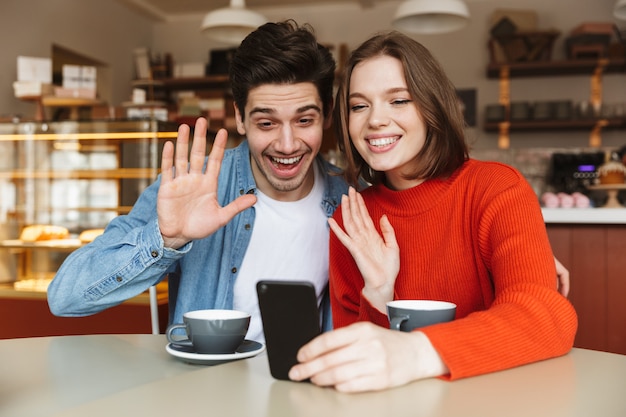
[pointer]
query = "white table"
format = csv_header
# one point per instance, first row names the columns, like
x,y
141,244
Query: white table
x,y
132,375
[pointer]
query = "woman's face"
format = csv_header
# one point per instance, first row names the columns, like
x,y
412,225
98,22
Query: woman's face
x,y
385,124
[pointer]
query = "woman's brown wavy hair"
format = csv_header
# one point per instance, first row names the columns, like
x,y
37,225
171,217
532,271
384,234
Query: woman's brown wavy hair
x,y
445,148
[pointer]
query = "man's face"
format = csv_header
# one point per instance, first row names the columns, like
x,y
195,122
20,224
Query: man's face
x,y
284,124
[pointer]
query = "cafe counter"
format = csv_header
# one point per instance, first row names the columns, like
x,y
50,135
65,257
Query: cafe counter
x,y
591,243
606,216
27,314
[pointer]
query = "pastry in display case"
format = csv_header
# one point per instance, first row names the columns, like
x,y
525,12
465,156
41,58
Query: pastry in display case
x,y
40,232
60,185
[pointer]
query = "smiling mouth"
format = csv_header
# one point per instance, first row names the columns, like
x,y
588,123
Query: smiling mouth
x,y
285,161
380,142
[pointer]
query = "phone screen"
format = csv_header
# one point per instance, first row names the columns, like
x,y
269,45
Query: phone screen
x,y
290,319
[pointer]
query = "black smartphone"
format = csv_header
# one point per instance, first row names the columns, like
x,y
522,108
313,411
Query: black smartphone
x,y
290,319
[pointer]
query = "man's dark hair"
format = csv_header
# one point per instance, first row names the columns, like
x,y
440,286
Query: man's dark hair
x,y
282,53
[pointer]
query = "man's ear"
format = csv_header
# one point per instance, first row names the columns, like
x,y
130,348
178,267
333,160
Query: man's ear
x,y
239,121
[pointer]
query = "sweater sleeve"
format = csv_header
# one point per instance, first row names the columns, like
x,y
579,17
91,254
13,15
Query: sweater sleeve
x,y
528,319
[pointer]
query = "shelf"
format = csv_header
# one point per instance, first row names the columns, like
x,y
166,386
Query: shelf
x,y
593,68
187,83
8,290
546,125
145,104
116,209
110,136
147,83
198,83
56,244
557,68
84,174
53,101
87,130
55,170
213,87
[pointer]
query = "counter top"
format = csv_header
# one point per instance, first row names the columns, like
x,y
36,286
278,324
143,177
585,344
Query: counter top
x,y
35,289
585,215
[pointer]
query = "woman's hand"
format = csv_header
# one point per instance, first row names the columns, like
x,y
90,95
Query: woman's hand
x,y
378,258
366,357
187,205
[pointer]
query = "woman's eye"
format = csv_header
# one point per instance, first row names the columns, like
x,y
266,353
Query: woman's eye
x,y
401,101
357,107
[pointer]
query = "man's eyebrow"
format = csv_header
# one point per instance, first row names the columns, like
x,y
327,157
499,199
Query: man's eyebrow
x,y
269,110
309,107
264,110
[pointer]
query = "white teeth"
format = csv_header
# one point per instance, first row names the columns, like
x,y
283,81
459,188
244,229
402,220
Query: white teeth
x,y
382,141
287,161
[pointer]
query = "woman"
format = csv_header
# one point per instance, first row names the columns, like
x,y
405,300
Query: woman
x,y
434,225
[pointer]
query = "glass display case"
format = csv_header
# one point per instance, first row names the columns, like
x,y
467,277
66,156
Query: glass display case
x,y
60,184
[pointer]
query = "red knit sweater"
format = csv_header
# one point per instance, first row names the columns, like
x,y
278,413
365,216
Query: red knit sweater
x,y
477,239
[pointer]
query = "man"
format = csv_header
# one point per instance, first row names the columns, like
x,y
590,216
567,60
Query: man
x,y
218,225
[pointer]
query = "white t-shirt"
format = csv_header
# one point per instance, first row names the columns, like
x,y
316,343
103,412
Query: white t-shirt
x,y
289,242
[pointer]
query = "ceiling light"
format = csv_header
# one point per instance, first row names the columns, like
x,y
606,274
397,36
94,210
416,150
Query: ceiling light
x,y
619,11
432,16
231,24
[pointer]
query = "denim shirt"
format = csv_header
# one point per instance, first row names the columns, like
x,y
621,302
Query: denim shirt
x,y
130,257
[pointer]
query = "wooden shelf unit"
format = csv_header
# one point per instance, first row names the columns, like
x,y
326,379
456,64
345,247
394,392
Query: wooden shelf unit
x,y
563,125
99,164
594,68
212,86
557,68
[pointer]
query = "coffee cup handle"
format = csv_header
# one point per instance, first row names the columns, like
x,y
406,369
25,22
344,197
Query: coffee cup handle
x,y
171,339
396,322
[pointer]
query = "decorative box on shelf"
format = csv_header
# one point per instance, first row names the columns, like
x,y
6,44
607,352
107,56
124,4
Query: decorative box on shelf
x,y
589,40
522,46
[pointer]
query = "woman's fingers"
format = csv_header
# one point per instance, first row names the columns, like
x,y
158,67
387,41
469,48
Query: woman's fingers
x,y
389,235
356,219
363,214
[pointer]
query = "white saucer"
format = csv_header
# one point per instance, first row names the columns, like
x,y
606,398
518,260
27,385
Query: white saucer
x,y
247,349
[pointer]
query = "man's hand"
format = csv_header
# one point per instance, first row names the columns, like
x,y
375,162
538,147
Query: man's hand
x,y
187,205
562,278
